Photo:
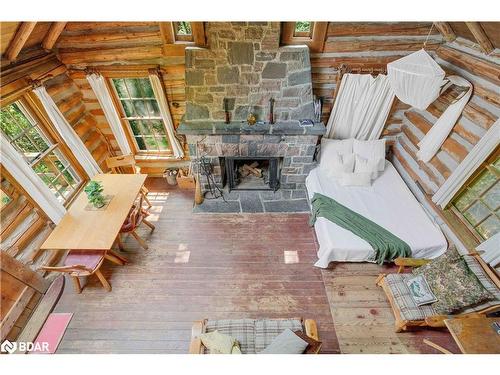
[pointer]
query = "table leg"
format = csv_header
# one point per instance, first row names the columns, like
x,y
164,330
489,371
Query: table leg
x,y
437,347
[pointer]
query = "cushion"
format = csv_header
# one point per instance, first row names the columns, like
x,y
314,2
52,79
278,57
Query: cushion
x,y
330,147
337,165
420,290
453,284
371,150
404,303
267,329
485,281
219,343
286,342
313,346
87,258
363,165
242,330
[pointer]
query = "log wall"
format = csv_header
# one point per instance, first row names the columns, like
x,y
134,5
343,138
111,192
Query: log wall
x,y
23,226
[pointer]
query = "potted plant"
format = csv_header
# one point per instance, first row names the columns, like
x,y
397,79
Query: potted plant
x,y
94,194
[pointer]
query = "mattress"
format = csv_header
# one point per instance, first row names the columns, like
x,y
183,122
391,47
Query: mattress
x,y
387,202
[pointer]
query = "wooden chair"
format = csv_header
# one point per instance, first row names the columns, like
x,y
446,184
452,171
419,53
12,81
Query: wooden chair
x,y
80,263
407,314
126,164
136,217
234,327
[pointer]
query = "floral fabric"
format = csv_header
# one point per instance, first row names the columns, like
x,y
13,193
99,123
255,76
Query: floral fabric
x,y
453,283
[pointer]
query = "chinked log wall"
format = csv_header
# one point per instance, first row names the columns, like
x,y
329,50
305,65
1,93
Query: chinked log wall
x,y
125,44
23,226
478,116
373,45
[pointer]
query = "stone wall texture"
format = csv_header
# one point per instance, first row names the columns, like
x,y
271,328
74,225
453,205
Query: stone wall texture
x,y
297,153
244,64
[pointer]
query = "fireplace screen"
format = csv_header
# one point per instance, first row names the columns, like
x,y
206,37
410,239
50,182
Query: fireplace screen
x,y
256,173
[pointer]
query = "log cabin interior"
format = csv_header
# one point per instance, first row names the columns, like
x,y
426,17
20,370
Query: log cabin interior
x,y
243,187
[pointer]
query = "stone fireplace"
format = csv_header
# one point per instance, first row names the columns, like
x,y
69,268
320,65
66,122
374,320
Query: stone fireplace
x,y
237,75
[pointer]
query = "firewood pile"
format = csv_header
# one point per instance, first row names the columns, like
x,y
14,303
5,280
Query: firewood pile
x,y
248,169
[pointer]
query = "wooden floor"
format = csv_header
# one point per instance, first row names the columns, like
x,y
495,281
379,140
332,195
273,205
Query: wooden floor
x,y
228,266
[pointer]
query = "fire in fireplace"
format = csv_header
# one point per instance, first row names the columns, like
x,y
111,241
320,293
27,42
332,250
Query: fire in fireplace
x,y
256,173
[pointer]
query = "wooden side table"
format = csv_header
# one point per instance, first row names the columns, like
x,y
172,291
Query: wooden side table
x,y
473,335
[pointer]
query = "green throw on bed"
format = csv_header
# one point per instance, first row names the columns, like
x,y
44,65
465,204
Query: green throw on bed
x,y
387,246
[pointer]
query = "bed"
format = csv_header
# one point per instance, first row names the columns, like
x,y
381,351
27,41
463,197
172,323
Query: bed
x,y
387,202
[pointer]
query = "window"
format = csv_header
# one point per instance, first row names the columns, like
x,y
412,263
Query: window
x,y
303,29
140,110
312,34
183,31
25,133
5,198
478,203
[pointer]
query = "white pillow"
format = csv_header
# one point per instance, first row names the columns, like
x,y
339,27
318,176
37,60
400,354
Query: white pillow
x,y
338,164
363,165
356,179
371,150
330,147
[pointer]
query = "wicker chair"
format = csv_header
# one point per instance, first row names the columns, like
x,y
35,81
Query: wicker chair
x,y
254,335
408,314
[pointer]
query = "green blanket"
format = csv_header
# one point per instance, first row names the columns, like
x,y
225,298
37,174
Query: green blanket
x,y
387,246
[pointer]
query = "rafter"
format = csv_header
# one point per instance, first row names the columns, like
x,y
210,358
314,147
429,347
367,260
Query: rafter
x,y
51,38
480,36
446,31
19,40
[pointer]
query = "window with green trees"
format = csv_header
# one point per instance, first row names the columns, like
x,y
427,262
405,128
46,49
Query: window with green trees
x,y
141,111
478,203
303,28
26,135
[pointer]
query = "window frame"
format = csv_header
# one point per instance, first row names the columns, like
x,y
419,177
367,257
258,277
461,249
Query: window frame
x,y
169,35
463,224
125,121
34,109
315,39
303,34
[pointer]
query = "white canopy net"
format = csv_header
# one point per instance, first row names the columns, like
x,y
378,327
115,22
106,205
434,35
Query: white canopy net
x,y
416,79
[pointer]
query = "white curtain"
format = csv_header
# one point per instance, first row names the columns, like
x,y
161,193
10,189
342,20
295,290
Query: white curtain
x,y
361,107
491,248
435,137
67,133
472,161
416,79
13,162
165,114
100,89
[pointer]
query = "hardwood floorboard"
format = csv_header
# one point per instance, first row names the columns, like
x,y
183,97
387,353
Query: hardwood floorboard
x,y
230,266
198,266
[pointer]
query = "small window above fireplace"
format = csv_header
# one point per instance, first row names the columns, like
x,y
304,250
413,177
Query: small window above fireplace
x,y
252,173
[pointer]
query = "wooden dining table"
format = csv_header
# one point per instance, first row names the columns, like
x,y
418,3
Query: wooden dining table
x,y
85,228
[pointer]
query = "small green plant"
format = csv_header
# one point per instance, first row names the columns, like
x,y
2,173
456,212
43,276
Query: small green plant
x,y
94,193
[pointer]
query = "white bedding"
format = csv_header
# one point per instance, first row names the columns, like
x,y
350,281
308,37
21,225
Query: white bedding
x,y
387,202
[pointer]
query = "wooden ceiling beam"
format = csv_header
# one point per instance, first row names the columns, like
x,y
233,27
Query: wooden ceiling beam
x,y
54,32
19,40
446,31
480,36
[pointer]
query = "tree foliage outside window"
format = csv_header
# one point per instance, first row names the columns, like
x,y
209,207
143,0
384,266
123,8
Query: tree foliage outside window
x,y
183,28
45,158
302,27
479,202
142,113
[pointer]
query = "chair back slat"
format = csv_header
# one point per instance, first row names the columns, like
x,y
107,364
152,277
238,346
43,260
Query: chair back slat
x,y
122,163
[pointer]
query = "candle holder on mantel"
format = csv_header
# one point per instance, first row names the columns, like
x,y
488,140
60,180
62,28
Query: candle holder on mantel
x,y
251,119
227,114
